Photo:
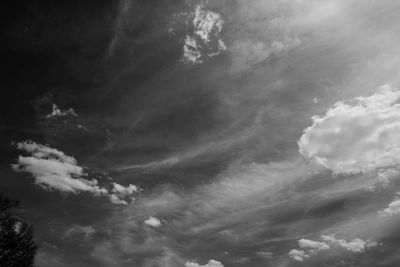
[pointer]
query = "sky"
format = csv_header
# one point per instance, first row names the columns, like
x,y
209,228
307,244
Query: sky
x,y
189,133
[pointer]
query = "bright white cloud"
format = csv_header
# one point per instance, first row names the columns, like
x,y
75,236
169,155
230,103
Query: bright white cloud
x,y
153,221
211,263
361,135
205,41
57,112
311,247
54,170
393,208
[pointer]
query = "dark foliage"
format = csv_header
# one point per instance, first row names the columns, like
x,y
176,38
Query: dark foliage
x,y
17,248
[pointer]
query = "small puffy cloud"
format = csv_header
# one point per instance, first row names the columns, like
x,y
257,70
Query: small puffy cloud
x,y
57,112
153,221
54,170
298,255
311,247
120,193
393,208
361,135
205,41
211,263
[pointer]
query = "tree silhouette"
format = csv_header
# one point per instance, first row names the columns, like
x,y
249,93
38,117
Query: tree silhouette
x,y
17,248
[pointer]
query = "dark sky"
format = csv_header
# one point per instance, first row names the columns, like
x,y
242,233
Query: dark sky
x,y
169,133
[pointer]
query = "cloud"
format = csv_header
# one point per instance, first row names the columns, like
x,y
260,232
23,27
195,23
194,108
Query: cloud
x,y
247,53
311,247
361,135
205,41
54,170
191,51
298,255
211,263
219,209
263,29
56,112
393,208
119,193
86,231
153,221
356,245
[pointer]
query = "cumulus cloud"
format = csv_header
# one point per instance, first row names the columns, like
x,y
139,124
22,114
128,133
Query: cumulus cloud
x,y
205,40
393,208
54,170
357,136
153,221
57,112
211,263
311,247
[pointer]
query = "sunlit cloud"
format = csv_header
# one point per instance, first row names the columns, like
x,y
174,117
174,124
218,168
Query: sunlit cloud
x,y
152,221
54,170
356,136
205,41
